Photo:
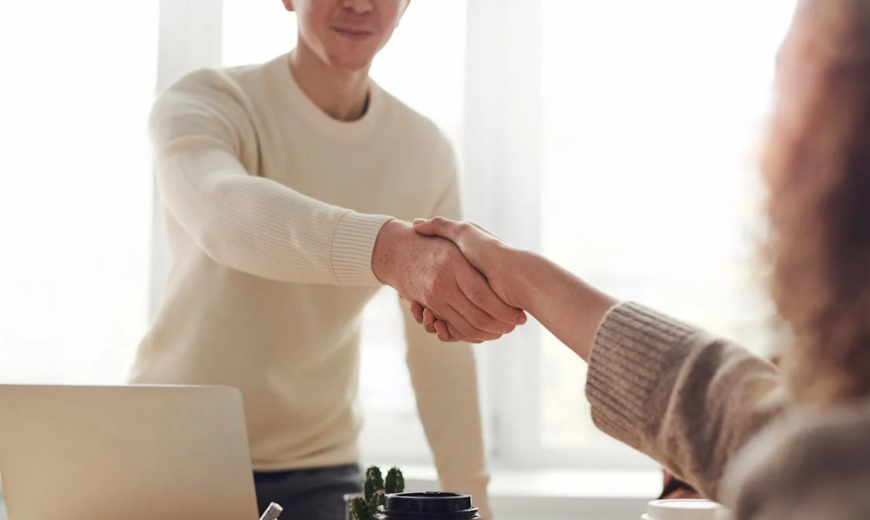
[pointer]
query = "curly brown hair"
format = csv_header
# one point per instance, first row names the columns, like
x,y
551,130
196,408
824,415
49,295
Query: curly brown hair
x,y
817,167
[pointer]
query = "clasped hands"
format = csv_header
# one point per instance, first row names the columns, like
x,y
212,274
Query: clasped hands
x,y
455,274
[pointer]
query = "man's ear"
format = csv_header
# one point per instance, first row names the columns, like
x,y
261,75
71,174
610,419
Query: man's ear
x,y
288,4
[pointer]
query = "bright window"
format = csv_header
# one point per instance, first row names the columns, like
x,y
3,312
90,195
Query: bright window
x,y
650,115
75,208
651,124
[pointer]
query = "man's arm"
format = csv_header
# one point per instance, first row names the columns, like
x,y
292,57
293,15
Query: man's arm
x,y
243,221
266,229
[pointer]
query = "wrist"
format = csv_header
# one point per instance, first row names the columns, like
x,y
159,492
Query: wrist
x,y
386,255
521,267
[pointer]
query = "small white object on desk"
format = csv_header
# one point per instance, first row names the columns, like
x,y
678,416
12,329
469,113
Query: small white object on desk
x,y
272,512
683,509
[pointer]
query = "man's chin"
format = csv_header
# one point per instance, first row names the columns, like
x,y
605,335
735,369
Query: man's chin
x,y
351,63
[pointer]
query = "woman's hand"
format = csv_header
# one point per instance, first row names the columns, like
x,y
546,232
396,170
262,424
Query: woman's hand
x,y
563,303
482,249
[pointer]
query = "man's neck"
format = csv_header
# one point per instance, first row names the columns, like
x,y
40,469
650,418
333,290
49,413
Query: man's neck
x,y
343,94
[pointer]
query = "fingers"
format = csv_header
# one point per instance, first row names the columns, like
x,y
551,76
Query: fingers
x,y
429,320
466,322
446,228
443,332
438,226
450,325
435,326
474,313
456,293
475,287
462,320
461,329
417,312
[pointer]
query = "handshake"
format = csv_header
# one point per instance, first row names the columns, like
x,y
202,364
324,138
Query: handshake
x,y
457,276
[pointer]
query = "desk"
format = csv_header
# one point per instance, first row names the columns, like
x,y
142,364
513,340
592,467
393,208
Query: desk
x,y
552,495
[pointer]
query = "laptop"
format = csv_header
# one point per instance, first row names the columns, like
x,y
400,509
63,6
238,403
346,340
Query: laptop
x,y
125,452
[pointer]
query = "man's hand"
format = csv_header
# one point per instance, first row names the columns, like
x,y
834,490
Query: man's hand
x,y
486,253
433,273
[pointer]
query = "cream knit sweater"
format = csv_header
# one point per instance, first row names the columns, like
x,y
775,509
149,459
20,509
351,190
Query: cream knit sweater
x,y
272,211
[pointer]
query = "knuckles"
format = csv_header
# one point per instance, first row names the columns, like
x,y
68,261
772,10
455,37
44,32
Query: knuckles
x,y
434,285
445,260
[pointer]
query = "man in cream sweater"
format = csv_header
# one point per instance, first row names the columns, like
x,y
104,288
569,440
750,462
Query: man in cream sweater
x,y
288,187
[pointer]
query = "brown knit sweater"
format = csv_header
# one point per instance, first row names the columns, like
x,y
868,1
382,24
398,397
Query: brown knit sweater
x,y
693,402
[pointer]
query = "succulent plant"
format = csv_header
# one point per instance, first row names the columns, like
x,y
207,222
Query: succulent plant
x,y
378,499
395,482
374,483
359,509
376,490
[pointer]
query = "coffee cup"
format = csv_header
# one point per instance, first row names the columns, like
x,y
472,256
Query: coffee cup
x,y
683,509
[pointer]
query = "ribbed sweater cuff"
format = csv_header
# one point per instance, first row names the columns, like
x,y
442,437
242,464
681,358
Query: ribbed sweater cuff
x,y
636,352
353,242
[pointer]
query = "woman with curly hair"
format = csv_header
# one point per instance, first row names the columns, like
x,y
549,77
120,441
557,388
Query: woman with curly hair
x,y
767,443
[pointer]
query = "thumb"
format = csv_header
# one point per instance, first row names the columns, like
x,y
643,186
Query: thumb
x,y
438,226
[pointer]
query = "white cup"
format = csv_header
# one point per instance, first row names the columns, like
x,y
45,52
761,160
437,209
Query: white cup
x,y
683,509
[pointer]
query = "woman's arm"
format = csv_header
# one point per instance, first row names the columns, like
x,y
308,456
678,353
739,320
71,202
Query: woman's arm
x,y
560,301
568,307
685,398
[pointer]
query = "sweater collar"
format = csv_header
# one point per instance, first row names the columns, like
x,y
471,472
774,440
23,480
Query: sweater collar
x,y
298,101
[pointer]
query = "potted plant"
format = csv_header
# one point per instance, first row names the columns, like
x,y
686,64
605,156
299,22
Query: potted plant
x,y
376,488
385,499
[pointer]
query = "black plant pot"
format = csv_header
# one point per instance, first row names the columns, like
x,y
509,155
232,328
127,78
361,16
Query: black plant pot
x,y
428,506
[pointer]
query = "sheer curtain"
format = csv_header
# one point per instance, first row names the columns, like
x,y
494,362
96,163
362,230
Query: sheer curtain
x,y
653,112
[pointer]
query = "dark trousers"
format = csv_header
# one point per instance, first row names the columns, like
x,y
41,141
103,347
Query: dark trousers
x,y
309,494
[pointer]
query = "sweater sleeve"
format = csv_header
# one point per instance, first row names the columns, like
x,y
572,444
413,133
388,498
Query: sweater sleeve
x,y
687,399
239,219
